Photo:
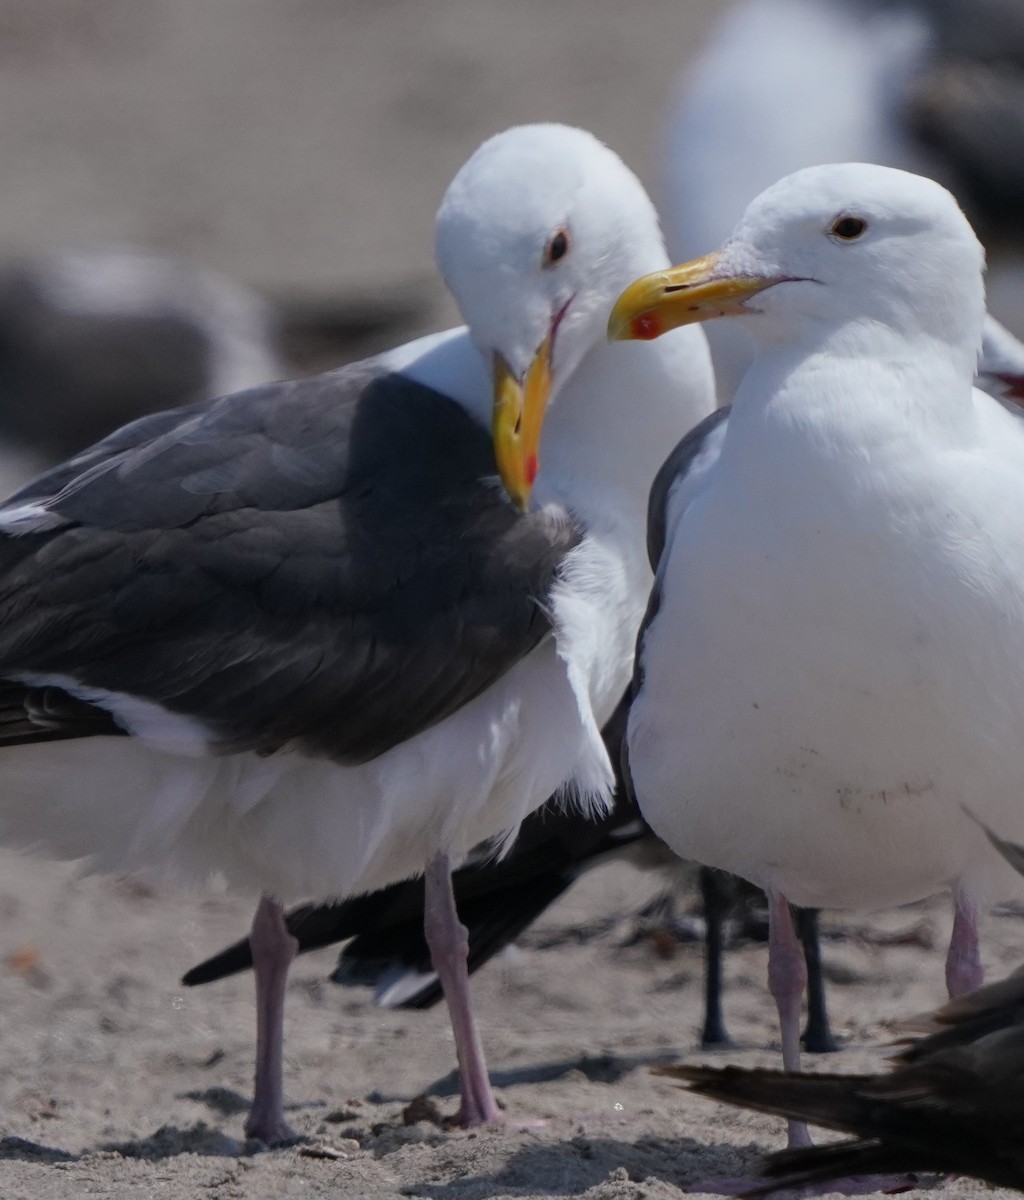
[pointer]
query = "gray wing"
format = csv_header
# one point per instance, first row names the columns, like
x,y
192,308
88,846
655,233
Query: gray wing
x,y
128,437
676,481
327,563
685,467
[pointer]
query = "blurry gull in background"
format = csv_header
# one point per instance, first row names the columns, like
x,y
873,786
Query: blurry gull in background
x,y
91,338
933,86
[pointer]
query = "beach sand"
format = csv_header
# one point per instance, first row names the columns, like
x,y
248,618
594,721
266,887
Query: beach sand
x,y
116,1081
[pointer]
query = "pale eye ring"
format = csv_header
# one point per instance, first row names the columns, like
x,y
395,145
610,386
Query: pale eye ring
x,y
847,228
557,247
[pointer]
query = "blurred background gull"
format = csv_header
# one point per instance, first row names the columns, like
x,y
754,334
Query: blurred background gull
x,y
932,86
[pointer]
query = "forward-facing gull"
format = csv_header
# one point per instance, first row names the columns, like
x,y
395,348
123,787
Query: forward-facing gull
x,y
832,664
337,649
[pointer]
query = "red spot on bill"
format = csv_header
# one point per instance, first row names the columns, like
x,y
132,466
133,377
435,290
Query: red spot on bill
x,y
646,326
531,469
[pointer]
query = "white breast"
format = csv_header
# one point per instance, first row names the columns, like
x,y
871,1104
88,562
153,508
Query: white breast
x,y
837,666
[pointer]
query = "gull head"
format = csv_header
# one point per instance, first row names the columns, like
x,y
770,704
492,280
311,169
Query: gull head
x,y
536,236
828,247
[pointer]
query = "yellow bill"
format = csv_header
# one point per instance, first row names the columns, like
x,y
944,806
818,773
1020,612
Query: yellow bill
x,y
678,296
519,407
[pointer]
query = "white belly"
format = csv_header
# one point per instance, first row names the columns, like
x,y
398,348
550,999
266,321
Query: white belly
x,y
822,699
296,826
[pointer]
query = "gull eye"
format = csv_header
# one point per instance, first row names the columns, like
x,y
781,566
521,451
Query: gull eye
x,y
557,248
847,229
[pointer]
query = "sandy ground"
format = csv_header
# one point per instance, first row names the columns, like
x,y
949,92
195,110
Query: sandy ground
x,y
116,1081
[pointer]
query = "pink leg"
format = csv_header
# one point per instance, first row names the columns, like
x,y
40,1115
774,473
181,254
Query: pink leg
x,y
273,949
449,947
964,971
787,980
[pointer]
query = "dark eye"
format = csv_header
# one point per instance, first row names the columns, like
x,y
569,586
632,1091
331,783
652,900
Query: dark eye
x,y
848,229
557,248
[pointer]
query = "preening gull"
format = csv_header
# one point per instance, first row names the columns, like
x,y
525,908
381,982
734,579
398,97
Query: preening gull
x,y
337,650
832,662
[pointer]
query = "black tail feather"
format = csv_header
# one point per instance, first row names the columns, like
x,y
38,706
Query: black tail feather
x,y
834,1101
493,921
313,925
821,1164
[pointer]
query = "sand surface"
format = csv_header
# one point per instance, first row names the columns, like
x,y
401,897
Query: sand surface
x,y
116,1081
